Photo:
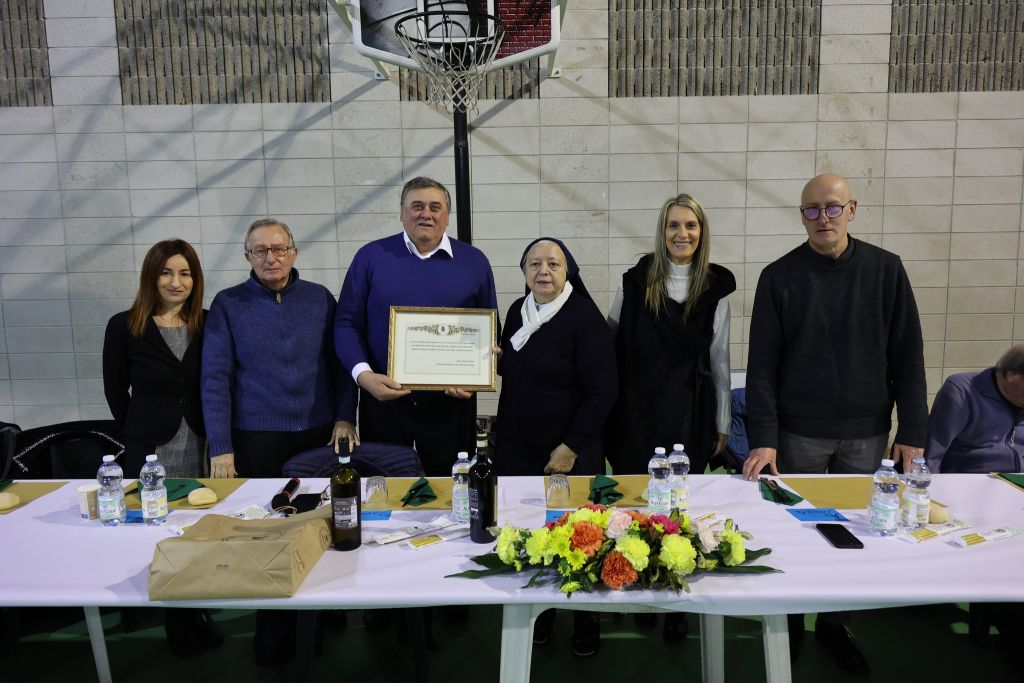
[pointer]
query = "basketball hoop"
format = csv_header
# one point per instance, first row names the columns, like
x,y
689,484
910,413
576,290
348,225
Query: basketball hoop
x,y
454,49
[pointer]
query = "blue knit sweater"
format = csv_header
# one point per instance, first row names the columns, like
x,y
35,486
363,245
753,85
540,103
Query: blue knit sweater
x,y
383,274
268,362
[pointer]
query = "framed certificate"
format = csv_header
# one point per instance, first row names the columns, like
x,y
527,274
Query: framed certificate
x,y
440,348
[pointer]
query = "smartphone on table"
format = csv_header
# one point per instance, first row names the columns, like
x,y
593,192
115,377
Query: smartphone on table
x,y
839,536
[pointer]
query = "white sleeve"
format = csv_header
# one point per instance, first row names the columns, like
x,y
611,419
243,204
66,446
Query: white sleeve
x,y
720,370
616,310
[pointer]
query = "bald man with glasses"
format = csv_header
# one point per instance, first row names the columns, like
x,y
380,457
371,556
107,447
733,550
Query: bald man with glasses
x,y
835,341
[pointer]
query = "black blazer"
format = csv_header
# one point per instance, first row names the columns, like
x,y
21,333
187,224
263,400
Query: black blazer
x,y
162,388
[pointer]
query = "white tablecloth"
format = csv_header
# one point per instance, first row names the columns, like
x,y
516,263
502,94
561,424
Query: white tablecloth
x,y
52,557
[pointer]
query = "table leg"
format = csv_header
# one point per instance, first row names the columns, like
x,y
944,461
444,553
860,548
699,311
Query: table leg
x,y
516,642
775,633
99,644
712,648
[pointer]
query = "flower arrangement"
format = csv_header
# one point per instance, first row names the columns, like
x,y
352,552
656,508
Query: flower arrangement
x,y
618,548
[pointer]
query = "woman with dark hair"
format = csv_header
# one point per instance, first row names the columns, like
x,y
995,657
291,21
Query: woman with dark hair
x,y
557,367
151,358
670,319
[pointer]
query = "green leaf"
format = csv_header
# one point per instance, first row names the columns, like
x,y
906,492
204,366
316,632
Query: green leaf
x,y
537,579
747,569
481,573
755,554
490,560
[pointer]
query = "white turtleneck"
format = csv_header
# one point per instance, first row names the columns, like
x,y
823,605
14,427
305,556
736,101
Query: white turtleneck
x,y
678,286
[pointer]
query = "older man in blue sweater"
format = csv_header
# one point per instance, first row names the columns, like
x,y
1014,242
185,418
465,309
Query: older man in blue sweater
x,y
271,386
420,266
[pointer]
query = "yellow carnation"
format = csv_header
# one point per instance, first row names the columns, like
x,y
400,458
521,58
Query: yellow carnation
x,y
559,540
635,550
538,546
598,517
737,554
570,587
678,554
507,540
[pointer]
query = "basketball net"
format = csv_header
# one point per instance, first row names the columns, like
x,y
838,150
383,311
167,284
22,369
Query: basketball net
x,y
454,58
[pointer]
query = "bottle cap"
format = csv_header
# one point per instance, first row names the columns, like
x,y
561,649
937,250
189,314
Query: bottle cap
x,y
659,450
678,447
108,458
344,457
463,455
886,462
151,457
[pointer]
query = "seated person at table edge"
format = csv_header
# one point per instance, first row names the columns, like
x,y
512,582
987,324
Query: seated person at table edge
x,y
975,417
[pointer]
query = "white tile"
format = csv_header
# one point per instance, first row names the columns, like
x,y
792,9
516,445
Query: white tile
x,y
160,146
161,174
577,223
917,218
852,163
783,108
643,111
34,286
27,148
921,134
42,365
636,167
78,8
290,144
93,175
36,313
25,120
989,245
232,201
780,165
576,168
300,173
578,111
853,78
96,311
774,193
93,258
147,230
95,203
712,137
368,199
573,140
714,194
851,135
505,141
88,119
43,391
852,107
28,176
922,106
577,196
83,61
640,195
912,191
844,48
990,105
160,202
986,218
989,162
296,116
727,109
81,32
982,273
299,200
98,230
231,173
774,221
517,197
987,190
86,90
507,169
228,145
712,166
210,117
506,224
781,136
993,133
39,340
855,19
916,163
27,204
165,118
918,247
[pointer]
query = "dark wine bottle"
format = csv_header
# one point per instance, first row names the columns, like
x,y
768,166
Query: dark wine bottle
x,y
483,489
346,505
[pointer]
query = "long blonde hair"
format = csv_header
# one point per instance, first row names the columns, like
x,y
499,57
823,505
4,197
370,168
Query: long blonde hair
x,y
655,293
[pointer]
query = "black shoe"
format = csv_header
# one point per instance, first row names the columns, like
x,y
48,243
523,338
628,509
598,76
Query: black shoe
x,y
843,647
645,620
675,628
542,627
586,637
796,635
206,629
375,619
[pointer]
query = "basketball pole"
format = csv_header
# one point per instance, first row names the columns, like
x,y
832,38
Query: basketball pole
x,y
463,203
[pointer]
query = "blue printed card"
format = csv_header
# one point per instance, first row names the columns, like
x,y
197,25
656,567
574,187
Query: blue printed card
x,y
376,515
553,515
817,515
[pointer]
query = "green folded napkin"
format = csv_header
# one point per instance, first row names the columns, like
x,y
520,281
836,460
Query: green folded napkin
x,y
176,488
602,490
1015,479
770,490
419,493
4,483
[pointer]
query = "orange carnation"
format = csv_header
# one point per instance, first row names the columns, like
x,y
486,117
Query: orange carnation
x,y
638,517
617,572
587,536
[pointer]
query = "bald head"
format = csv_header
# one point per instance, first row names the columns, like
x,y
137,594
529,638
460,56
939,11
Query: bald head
x,y
829,193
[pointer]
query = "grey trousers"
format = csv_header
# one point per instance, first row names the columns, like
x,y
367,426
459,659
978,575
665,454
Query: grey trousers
x,y
808,455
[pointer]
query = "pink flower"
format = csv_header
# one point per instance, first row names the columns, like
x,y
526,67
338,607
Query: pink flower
x,y
618,523
666,523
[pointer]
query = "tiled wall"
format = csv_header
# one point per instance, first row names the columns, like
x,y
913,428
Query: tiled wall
x,y
87,185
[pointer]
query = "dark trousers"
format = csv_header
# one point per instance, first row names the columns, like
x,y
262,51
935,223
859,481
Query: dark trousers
x,y
263,454
808,455
437,426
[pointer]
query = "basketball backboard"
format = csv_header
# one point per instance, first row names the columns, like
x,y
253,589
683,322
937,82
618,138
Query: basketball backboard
x,y
532,27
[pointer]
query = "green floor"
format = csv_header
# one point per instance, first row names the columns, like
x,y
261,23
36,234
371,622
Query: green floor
x,y
920,643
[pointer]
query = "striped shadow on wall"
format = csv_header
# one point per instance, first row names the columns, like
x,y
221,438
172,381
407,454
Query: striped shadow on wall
x,y
956,46
222,51
669,48
24,63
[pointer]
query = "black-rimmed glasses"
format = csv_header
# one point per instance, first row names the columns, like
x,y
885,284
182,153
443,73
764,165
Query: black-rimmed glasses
x,y
261,252
812,213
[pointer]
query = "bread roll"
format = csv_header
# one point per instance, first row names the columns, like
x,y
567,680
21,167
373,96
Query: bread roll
x,y
203,496
9,500
937,514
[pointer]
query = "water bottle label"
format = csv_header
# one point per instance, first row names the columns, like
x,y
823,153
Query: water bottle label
x,y
883,518
346,513
112,507
914,513
154,504
659,502
681,498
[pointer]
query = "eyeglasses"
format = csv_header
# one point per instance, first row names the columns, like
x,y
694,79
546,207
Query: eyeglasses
x,y
812,213
261,252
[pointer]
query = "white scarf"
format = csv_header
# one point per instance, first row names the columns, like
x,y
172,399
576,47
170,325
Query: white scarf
x,y
533,318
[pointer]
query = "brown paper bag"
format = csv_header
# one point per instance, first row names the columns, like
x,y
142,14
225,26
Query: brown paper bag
x,y
224,557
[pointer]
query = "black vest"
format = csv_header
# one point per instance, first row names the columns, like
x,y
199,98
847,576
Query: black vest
x,y
666,395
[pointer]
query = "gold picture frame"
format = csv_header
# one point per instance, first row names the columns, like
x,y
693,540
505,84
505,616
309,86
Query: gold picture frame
x,y
435,348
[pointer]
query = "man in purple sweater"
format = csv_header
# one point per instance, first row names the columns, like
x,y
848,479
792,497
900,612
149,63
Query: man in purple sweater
x,y
976,418
420,266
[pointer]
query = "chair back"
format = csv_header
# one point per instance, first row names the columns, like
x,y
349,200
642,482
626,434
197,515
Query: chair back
x,y
369,459
70,450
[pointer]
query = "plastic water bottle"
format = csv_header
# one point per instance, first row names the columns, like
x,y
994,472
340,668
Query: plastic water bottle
x,y
460,488
154,493
110,497
659,495
679,480
916,501
885,504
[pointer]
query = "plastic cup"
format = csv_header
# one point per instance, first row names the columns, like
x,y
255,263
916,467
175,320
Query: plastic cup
x,y
88,503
